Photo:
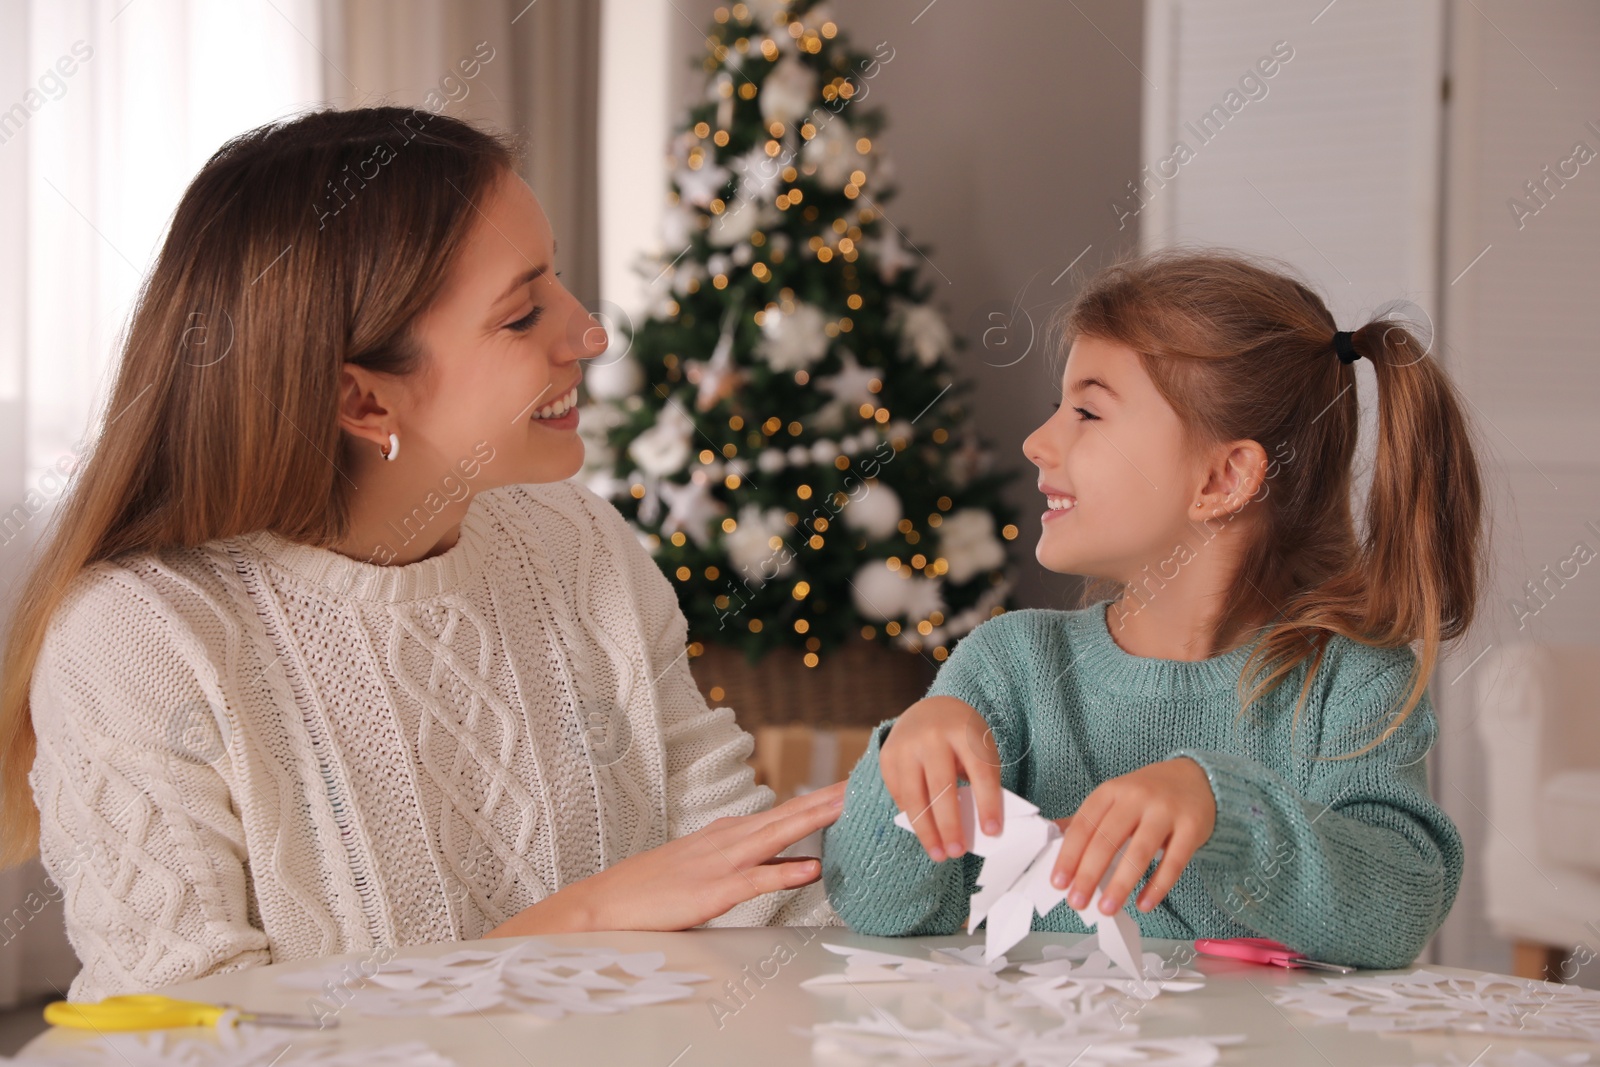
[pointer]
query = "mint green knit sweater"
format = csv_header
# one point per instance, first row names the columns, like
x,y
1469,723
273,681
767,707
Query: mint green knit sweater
x,y
1348,861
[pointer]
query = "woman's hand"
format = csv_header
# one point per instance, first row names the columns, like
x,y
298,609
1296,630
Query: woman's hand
x,y
933,741
690,879
1166,806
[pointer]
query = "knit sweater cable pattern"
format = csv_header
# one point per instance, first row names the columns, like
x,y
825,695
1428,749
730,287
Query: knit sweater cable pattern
x,y
1347,860
275,752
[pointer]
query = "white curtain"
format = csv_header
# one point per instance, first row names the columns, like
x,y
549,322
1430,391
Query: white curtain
x,y
536,74
107,110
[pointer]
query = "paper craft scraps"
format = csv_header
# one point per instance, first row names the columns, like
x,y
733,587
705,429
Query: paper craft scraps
x,y
948,968
1084,975
1014,883
534,977
1069,980
969,1041
242,1047
1429,1000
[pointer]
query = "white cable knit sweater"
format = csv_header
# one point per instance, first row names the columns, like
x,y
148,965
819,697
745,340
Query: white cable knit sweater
x,y
273,751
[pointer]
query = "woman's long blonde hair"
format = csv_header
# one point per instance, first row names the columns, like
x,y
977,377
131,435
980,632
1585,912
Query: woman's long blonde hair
x,y
299,247
1243,350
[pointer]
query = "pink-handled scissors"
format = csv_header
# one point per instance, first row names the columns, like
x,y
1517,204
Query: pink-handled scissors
x,y
1262,950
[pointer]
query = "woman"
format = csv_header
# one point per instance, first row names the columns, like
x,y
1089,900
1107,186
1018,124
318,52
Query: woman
x,y
324,654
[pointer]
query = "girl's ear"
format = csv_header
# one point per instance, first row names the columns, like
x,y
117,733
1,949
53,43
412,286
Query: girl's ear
x,y
1238,473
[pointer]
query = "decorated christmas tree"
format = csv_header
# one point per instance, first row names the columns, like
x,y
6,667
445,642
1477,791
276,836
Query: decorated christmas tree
x,y
785,431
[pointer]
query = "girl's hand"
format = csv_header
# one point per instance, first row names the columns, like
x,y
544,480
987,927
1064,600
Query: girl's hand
x,y
690,879
933,741
1167,806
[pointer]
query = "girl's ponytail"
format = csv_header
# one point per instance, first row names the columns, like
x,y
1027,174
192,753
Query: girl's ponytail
x,y
1422,550
1422,543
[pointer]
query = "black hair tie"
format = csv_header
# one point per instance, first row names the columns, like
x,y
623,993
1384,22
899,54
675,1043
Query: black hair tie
x,y
1341,344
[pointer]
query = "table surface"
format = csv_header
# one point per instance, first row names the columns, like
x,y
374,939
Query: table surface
x,y
1234,1000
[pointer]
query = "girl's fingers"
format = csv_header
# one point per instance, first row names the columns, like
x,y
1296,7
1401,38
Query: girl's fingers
x,y
1104,840
983,773
1075,838
945,802
1179,849
921,815
1142,846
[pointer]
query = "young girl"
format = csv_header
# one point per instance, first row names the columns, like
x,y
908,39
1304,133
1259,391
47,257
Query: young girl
x,y
1244,699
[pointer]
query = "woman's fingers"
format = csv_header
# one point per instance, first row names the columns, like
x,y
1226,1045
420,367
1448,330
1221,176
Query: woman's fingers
x,y
796,820
779,874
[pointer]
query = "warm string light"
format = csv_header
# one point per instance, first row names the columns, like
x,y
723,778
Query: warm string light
x,y
840,239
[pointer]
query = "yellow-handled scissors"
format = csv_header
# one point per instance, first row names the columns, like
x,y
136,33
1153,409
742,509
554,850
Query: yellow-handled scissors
x,y
151,1011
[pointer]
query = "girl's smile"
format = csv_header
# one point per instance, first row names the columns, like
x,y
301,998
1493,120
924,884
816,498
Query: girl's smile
x,y
1057,502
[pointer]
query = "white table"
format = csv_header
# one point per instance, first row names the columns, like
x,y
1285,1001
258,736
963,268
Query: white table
x,y
762,1031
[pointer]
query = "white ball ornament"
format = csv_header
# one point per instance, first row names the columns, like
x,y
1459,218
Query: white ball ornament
x,y
878,592
968,544
875,513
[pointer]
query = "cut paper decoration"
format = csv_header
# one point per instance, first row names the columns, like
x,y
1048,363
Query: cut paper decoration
x,y
1428,1000
949,968
968,1041
1014,883
242,1047
1070,980
1083,974
534,977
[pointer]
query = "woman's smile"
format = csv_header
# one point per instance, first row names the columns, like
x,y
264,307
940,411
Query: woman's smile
x,y
559,414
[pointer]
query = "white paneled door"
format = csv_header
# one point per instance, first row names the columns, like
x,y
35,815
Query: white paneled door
x,y
1444,153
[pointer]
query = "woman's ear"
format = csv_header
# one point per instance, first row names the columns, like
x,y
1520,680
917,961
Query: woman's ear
x,y
364,410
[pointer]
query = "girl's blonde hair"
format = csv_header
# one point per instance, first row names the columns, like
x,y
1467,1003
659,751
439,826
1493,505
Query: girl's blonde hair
x,y
1243,350
299,247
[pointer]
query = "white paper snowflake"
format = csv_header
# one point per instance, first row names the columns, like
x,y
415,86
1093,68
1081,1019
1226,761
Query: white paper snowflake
x,y
533,977
1428,1000
950,968
1084,976
1069,980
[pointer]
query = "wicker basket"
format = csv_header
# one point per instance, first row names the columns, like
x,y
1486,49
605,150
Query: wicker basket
x,y
859,684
